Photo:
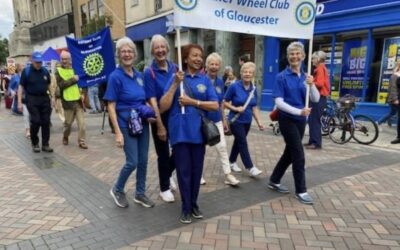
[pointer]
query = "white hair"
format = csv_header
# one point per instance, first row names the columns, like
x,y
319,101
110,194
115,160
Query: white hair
x,y
319,55
158,38
213,56
125,41
295,46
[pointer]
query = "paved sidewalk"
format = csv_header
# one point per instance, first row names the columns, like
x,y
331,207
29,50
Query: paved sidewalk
x,y
61,200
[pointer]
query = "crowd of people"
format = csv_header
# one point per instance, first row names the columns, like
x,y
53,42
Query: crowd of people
x,y
170,103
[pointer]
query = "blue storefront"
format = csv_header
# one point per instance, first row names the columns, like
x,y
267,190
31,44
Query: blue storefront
x,y
362,41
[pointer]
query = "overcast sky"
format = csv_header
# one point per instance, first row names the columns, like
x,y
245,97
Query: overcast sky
x,y
6,18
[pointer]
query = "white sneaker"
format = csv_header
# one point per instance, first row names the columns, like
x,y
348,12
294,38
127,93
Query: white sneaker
x,y
231,180
235,168
167,196
202,181
254,171
172,184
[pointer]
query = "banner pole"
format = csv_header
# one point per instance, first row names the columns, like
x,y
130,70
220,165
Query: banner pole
x,y
310,48
178,38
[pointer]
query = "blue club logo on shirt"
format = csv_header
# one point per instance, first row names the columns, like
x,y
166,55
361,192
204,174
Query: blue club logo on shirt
x,y
186,5
218,89
305,13
201,88
140,81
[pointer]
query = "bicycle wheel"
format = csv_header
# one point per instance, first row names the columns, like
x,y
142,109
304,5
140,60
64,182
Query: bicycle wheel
x,y
340,128
365,130
325,119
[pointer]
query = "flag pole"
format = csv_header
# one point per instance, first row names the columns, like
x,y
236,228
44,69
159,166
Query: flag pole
x,y
310,48
178,38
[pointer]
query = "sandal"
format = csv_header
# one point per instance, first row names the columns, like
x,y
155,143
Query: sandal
x,y
83,145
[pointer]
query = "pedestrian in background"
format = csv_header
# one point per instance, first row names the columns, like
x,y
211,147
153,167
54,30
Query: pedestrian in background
x,y
213,65
125,94
396,76
93,93
156,77
13,88
321,81
235,99
188,146
392,97
290,95
35,82
72,100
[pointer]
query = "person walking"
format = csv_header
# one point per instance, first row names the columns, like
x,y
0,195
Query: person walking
x,y
124,95
188,147
35,81
290,94
155,78
321,81
239,94
392,97
13,88
396,78
93,93
213,65
72,100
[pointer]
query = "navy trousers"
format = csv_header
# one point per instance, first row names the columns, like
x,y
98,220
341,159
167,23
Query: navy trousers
x,y
189,160
292,131
314,121
165,162
240,131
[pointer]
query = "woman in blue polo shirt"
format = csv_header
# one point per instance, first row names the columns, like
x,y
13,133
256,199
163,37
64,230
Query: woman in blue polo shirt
x,y
290,95
235,99
186,138
125,91
155,78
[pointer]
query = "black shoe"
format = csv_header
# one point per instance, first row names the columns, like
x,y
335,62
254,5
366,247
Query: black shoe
x,y
185,219
395,141
143,200
36,148
47,149
196,213
278,187
119,198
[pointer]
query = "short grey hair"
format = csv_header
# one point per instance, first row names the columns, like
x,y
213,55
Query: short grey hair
x,y
319,55
213,56
157,38
123,42
295,46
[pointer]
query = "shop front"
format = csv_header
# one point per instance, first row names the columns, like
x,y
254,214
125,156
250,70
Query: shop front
x,y
362,42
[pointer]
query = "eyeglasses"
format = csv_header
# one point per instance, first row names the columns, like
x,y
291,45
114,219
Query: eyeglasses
x,y
126,51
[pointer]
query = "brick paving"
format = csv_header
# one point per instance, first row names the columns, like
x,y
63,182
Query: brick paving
x,y
65,198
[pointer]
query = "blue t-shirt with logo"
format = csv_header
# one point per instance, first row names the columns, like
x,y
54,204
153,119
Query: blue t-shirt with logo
x,y
127,92
218,84
155,79
238,94
292,88
186,128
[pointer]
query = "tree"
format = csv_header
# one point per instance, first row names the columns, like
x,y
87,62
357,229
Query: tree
x,y
96,24
3,50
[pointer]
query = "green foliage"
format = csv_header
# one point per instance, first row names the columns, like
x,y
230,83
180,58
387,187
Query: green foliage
x,y
3,50
96,24
140,66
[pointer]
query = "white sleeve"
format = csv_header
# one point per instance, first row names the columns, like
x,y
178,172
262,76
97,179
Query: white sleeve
x,y
314,94
282,105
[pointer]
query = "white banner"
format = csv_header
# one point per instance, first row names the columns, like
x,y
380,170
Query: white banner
x,y
277,18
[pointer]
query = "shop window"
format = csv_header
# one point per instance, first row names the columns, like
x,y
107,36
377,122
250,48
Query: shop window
x,y
84,14
157,5
100,7
91,9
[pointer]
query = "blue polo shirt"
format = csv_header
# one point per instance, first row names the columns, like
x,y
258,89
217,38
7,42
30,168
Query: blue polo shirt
x,y
127,92
14,82
218,84
35,82
292,88
186,128
238,95
155,79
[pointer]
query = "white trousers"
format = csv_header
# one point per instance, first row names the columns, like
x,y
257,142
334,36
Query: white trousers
x,y
221,149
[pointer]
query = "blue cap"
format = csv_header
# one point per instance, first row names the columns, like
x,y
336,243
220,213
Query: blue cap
x,y
37,56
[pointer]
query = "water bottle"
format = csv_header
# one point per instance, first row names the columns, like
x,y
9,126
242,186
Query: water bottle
x,y
135,123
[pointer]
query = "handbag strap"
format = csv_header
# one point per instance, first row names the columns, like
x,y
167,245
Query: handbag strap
x,y
190,94
236,116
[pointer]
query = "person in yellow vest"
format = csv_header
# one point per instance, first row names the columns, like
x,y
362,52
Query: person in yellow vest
x,y
71,97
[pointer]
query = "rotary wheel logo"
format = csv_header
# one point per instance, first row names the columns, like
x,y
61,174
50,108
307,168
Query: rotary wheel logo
x,y
186,5
93,64
305,13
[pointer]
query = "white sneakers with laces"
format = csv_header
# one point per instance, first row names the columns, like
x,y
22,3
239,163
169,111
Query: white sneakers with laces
x,y
167,196
254,171
235,168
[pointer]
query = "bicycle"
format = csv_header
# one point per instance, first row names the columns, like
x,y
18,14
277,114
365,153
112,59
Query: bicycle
x,y
341,126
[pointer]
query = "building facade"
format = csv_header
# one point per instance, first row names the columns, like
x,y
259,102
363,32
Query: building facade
x,y
145,18
112,12
51,22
